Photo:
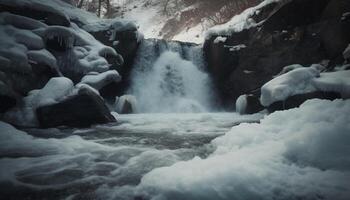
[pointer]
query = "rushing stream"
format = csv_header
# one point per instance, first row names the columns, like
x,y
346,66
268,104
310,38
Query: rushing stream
x,y
106,161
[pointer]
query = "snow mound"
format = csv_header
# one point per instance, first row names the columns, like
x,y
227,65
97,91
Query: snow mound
x,y
297,81
304,157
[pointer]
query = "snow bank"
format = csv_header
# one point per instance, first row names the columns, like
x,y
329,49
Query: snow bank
x,y
238,22
99,80
305,157
297,81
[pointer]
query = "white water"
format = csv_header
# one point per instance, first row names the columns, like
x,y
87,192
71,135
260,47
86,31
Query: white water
x,y
169,78
106,161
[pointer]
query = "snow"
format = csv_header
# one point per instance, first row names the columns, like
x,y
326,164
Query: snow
x,y
306,156
238,22
338,81
241,104
236,47
220,39
98,81
294,82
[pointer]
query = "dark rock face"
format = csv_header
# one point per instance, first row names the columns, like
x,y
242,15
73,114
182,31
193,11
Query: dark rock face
x,y
6,102
81,110
299,31
253,104
297,100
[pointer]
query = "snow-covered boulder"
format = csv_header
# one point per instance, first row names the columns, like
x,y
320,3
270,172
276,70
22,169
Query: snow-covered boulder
x,y
54,91
248,104
291,89
125,104
82,109
60,103
294,82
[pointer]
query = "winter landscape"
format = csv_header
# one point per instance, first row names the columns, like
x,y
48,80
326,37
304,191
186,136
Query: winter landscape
x,y
175,99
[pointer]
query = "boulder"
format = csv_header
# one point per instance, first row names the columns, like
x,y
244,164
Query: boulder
x,y
297,100
248,104
81,110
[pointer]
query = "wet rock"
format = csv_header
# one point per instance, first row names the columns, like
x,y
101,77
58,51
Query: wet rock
x,y
251,104
297,100
81,110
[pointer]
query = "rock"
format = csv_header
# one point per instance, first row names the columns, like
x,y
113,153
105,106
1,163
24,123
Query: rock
x,y
296,31
81,110
297,100
6,103
125,104
251,104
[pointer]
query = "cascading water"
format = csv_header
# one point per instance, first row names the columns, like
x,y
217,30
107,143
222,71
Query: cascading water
x,y
168,77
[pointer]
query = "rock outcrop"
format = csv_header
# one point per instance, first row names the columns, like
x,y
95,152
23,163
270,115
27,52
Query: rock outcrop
x,y
297,31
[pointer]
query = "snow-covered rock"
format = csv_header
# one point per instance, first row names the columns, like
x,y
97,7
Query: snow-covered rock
x,y
239,22
297,81
54,91
81,109
100,80
301,80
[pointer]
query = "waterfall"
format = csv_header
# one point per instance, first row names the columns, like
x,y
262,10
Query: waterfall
x,y
168,77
